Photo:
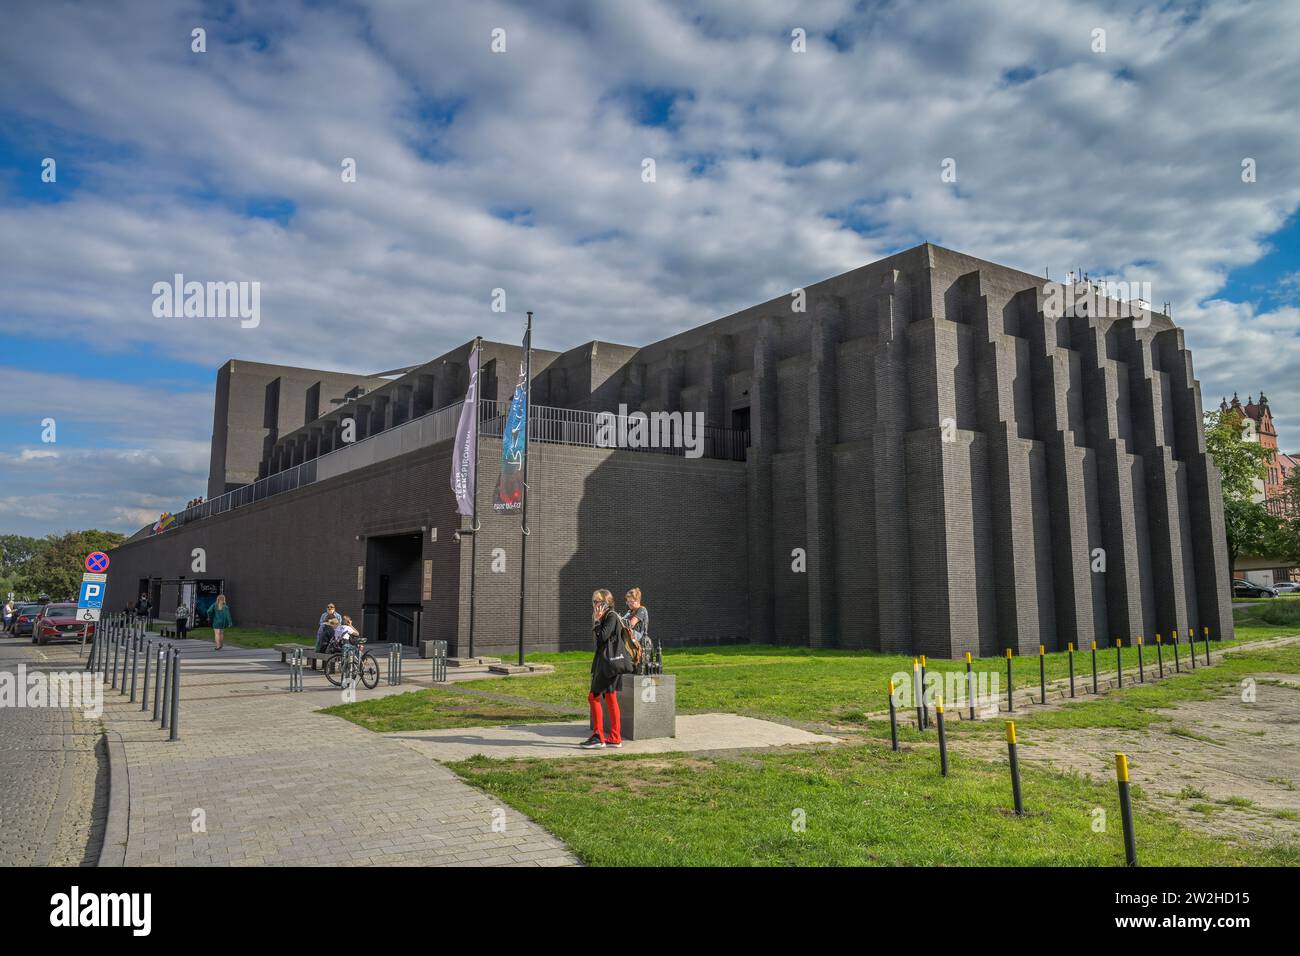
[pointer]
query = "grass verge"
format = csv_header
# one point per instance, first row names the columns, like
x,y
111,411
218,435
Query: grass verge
x,y
438,710
800,683
861,805
255,637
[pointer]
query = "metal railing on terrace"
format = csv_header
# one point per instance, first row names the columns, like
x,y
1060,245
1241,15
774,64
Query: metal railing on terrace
x,y
546,425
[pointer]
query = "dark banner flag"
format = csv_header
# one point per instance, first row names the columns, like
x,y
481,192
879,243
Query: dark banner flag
x,y
464,460
514,445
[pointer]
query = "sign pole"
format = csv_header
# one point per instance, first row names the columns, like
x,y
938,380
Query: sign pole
x,y
473,540
523,523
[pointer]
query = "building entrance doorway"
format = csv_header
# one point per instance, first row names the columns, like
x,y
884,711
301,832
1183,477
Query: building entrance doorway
x,y
391,602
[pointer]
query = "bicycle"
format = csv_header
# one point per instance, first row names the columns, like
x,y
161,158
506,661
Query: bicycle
x,y
353,663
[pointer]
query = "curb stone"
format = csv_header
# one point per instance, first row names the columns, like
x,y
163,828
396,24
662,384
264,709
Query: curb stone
x,y
112,851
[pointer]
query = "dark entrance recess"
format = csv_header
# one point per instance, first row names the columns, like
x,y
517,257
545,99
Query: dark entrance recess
x,y
391,601
740,420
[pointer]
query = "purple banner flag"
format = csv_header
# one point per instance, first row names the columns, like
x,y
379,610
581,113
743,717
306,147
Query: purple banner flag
x,y
463,462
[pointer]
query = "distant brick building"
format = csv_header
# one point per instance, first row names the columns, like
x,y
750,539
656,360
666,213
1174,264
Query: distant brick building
x,y
1258,426
930,459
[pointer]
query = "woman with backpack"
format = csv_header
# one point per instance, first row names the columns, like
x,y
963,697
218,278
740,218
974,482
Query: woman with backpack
x,y
610,662
220,620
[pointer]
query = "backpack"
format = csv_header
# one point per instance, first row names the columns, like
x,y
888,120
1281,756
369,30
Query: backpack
x,y
621,653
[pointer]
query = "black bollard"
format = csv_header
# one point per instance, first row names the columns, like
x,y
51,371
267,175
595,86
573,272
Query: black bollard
x,y
1191,647
1010,687
1094,667
1207,647
1042,674
1070,658
1178,667
893,719
916,693
943,740
925,704
1142,677
1015,768
1119,660
1160,657
970,685
1126,810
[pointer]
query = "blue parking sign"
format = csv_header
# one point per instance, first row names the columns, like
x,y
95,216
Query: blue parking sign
x,y
92,595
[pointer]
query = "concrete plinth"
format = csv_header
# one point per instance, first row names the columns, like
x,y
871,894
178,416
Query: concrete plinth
x,y
647,705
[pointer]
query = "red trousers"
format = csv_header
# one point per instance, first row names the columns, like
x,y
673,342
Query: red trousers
x,y
598,718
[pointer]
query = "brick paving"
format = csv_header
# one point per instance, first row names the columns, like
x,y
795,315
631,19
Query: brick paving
x,y
259,778
53,774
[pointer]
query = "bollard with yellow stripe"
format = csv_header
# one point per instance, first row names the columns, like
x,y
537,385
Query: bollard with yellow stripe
x,y
943,739
893,718
1126,809
1070,657
1015,768
916,694
925,707
1010,686
1042,673
970,686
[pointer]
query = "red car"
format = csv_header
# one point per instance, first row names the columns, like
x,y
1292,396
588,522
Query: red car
x,y
58,622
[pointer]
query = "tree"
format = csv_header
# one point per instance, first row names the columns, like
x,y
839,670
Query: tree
x,y
1241,463
55,569
1249,526
16,550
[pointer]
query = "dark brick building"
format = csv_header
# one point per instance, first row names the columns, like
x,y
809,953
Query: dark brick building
x,y
929,459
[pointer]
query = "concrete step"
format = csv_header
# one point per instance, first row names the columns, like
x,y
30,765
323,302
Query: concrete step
x,y
460,662
521,669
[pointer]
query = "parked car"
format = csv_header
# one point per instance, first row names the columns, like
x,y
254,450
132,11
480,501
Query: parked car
x,y
23,619
1286,587
1249,589
58,622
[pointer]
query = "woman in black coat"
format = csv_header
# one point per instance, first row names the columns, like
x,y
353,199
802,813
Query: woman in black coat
x,y
608,664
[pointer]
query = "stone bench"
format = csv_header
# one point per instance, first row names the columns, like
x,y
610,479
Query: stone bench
x,y
309,653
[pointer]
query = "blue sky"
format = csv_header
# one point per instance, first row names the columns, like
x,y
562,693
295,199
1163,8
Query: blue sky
x,y
521,170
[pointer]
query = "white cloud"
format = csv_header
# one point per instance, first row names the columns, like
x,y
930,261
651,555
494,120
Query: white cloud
x,y
1127,163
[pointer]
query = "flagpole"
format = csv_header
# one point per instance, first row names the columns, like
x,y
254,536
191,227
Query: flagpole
x,y
473,540
523,521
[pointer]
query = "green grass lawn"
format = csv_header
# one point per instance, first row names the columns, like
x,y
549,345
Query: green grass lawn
x,y
801,683
862,805
255,636
438,710
1140,705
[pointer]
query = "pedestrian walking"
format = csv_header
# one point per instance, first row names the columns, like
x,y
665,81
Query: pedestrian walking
x,y
221,620
182,620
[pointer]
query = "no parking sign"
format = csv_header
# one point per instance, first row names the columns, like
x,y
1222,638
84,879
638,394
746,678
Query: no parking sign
x,y
90,600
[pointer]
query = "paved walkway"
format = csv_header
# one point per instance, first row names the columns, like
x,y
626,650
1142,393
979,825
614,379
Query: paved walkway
x,y
53,774
695,732
258,778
